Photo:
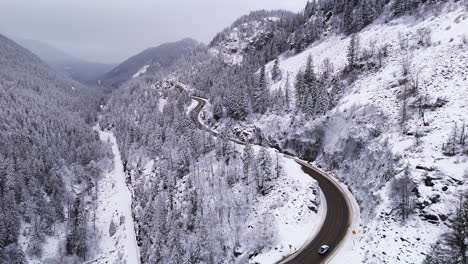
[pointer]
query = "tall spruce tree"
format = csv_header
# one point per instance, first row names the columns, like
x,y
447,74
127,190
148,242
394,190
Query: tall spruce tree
x,y
276,72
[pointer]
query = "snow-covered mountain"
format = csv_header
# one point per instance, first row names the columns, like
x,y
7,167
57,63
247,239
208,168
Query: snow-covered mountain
x,y
151,59
250,34
396,134
49,159
77,69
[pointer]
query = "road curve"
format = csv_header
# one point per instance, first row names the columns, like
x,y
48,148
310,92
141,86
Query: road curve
x,y
337,220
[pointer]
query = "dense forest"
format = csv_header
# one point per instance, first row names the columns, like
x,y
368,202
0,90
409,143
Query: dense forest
x,y
199,187
48,155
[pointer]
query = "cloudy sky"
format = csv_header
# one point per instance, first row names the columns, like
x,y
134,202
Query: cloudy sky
x,y
112,30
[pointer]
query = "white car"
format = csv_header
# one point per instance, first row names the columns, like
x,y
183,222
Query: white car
x,y
323,249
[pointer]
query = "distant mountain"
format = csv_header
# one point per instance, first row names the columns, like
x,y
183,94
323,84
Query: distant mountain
x,y
78,69
152,60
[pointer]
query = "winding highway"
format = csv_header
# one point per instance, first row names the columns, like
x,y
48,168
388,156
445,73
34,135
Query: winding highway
x,y
337,220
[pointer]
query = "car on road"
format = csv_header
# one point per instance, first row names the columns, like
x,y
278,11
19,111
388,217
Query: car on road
x,y
323,249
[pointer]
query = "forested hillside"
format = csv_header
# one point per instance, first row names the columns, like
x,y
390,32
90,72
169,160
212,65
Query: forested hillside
x,y
150,60
353,86
49,158
198,199
372,91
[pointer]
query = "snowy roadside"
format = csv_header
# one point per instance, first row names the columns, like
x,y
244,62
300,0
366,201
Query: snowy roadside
x,y
190,107
296,223
346,251
117,244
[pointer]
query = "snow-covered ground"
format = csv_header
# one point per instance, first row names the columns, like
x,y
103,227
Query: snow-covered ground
x,y
115,206
191,107
52,246
141,71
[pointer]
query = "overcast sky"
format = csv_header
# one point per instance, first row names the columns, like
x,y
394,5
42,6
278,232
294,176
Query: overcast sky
x,y
112,30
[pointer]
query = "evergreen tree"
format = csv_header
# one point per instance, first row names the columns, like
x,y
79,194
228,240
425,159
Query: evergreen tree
x,y
353,52
436,255
300,90
260,95
308,89
265,171
457,237
217,111
11,219
348,23
323,101
248,157
276,72
287,99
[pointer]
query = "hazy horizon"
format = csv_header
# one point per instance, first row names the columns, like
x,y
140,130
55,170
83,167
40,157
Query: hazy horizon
x,y
110,31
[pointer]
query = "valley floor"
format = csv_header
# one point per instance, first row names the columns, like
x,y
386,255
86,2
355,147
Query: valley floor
x,y
115,206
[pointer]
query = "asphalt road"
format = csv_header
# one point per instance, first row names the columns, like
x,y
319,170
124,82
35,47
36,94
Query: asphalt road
x,y
337,220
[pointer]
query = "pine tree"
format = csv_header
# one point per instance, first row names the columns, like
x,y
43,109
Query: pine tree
x,y
278,167
20,257
276,72
309,74
353,51
456,239
262,79
399,7
260,94
287,99
348,17
323,101
358,18
300,90
402,188
236,104
248,157
404,112
11,220
2,236
265,173
436,255
217,111
311,88
367,14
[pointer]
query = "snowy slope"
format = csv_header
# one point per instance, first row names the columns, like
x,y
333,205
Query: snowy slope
x,y
374,99
289,202
240,38
141,71
115,205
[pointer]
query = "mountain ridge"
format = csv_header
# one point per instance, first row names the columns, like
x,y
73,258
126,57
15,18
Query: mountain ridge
x,y
157,58
76,68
